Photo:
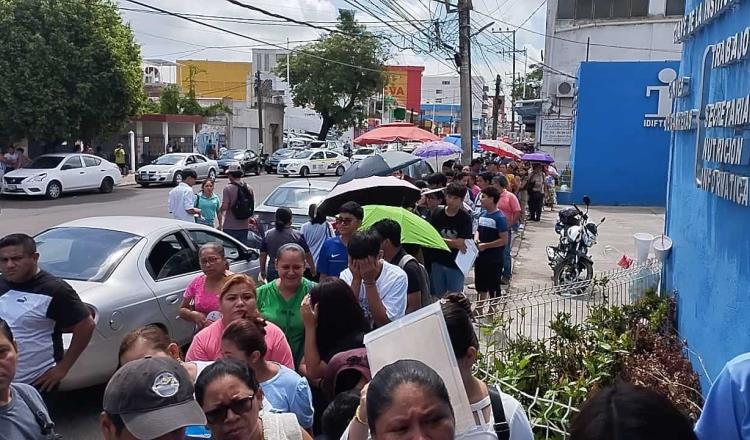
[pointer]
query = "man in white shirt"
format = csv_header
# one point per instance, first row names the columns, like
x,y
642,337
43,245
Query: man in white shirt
x,y
182,199
380,286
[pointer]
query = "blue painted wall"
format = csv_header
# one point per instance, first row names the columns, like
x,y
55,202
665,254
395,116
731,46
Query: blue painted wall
x,y
710,262
615,159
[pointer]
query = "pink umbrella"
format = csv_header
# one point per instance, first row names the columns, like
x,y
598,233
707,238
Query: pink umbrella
x,y
500,148
396,132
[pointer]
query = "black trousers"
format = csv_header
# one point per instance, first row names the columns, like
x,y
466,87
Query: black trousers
x,y
536,202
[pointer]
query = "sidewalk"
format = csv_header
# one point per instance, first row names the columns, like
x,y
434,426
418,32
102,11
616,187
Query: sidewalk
x,y
530,266
128,180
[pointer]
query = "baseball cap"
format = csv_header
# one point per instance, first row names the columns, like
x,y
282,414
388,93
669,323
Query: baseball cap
x,y
234,168
153,396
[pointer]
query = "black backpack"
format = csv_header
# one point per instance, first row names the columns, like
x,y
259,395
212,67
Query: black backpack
x,y
244,206
424,280
46,425
502,428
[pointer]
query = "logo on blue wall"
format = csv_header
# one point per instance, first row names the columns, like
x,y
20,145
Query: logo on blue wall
x,y
664,108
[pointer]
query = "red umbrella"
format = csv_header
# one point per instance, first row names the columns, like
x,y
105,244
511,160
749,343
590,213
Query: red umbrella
x,y
500,148
395,132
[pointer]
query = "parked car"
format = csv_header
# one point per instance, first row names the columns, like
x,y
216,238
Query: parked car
x,y
272,162
362,153
296,195
130,272
247,159
167,169
315,161
53,174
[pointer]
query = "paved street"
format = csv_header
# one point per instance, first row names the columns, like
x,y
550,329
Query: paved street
x,y
76,413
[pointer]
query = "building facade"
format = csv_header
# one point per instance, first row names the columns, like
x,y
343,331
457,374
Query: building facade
x,y
443,93
216,80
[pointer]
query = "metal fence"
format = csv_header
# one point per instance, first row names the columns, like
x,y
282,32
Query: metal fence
x,y
528,313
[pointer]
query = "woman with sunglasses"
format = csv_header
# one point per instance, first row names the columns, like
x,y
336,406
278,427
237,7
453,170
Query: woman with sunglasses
x,y
238,301
284,389
232,399
200,303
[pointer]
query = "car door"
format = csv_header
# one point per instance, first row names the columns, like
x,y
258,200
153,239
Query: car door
x,y
332,160
72,173
318,162
171,264
240,259
201,166
249,161
95,172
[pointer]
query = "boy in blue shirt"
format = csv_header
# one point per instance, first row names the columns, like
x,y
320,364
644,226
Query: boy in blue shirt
x,y
333,257
491,238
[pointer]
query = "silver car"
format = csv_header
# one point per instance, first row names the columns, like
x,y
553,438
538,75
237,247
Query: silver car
x,y
296,195
167,169
130,271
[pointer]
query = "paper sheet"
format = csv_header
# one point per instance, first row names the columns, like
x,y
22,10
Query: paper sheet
x,y
465,261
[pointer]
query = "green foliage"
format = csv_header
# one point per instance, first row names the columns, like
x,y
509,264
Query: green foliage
x,y
636,343
533,81
172,103
337,91
169,101
68,69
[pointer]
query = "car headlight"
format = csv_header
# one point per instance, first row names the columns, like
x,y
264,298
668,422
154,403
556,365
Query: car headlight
x,y
37,178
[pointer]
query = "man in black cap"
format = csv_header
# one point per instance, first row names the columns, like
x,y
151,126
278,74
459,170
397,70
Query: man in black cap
x,y
149,399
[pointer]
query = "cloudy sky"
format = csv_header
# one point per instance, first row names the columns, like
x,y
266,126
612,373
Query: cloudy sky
x,y
172,38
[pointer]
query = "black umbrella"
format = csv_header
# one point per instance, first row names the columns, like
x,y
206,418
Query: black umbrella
x,y
389,191
378,165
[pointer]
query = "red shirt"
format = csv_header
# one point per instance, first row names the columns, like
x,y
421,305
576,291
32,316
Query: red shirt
x,y
509,206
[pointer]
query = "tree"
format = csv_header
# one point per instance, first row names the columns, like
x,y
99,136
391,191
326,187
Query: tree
x,y
68,69
533,84
338,91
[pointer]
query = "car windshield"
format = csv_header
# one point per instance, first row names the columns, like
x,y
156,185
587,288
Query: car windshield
x,y
45,162
299,198
168,159
83,254
303,154
284,152
364,151
232,154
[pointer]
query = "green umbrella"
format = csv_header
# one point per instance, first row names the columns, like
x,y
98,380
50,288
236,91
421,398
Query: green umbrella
x,y
414,229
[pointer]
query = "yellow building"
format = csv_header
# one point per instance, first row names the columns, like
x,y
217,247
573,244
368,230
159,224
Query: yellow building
x,y
215,79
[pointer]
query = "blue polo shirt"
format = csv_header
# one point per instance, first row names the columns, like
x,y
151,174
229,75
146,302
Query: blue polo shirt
x,y
333,258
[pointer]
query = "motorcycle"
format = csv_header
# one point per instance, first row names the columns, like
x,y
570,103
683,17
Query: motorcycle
x,y
570,259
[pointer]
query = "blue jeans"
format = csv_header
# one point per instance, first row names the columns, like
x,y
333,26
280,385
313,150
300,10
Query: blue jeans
x,y
507,263
446,280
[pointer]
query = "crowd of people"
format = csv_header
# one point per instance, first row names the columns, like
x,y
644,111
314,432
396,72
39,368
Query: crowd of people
x,y
283,356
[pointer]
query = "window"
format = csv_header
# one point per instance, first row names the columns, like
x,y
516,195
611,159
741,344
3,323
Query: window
x,y
200,159
438,92
584,9
331,155
605,9
267,66
639,8
602,8
439,101
566,9
91,161
171,257
231,251
72,163
675,7
446,82
317,156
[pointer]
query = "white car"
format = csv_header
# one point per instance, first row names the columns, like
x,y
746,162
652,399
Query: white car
x,y
363,153
167,169
315,161
53,174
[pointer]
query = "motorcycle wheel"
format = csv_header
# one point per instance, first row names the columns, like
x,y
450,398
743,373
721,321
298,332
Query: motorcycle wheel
x,y
567,272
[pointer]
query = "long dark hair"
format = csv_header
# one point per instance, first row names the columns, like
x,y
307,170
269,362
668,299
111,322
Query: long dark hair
x,y
339,315
460,323
316,217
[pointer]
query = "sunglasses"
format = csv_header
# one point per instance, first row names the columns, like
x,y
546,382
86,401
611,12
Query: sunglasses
x,y
238,406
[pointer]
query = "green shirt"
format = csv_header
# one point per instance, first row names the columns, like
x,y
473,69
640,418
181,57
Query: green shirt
x,y
208,206
119,155
286,314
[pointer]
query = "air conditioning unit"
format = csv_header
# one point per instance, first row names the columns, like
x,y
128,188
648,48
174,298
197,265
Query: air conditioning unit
x,y
565,89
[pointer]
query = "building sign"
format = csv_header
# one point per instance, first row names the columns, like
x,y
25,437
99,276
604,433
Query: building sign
x,y
557,131
707,11
733,49
682,121
680,87
398,86
666,77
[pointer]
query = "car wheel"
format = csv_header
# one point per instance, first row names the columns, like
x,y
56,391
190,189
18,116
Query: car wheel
x,y
212,174
257,170
144,185
177,179
304,172
340,171
54,190
107,185
269,170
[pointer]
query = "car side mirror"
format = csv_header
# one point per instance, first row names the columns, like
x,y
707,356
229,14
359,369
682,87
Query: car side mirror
x,y
252,254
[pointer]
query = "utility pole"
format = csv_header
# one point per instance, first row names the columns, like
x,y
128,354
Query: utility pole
x,y
514,51
258,95
496,105
464,41
289,85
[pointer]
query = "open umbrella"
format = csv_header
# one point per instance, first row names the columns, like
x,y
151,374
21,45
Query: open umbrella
x,y
455,139
436,149
538,157
395,132
378,165
500,148
414,229
374,190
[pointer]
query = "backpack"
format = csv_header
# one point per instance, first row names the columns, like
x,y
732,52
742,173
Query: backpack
x,y
244,206
46,424
339,375
424,280
502,428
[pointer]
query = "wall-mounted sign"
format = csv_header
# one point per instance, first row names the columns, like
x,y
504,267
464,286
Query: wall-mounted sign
x,y
682,121
680,87
731,113
556,131
666,76
725,150
726,185
146,139
733,49
707,11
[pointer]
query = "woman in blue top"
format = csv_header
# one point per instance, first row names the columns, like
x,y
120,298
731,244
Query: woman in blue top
x,y
209,204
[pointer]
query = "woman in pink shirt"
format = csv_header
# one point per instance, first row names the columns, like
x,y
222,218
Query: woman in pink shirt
x,y
200,302
237,301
